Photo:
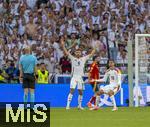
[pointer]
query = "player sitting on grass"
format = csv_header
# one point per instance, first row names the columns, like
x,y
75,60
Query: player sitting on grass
x,y
94,74
78,63
114,75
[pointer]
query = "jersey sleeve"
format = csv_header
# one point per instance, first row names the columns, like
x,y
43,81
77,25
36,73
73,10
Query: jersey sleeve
x,y
105,77
85,58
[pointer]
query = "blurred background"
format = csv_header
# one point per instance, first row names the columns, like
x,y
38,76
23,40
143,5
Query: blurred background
x,y
83,23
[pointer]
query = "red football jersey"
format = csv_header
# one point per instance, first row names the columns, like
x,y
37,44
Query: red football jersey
x,y
94,71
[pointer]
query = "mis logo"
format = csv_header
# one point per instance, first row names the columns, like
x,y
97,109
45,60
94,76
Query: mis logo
x,y
16,114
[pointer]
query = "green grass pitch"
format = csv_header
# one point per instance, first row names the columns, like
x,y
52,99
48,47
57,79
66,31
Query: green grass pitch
x,y
104,117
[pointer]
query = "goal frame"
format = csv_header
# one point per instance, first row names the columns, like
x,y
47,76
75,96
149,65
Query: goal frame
x,y
137,65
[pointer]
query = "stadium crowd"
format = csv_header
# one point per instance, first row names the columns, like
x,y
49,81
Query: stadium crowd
x,y
83,24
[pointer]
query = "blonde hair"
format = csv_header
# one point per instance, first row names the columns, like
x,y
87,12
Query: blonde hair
x,y
27,49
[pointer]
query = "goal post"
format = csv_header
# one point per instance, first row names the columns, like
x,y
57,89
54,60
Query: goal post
x,y
141,63
130,67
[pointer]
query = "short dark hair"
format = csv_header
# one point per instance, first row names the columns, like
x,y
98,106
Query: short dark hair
x,y
111,60
94,57
42,63
125,50
107,66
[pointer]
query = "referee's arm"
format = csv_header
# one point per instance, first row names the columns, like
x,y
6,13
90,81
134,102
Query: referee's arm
x,y
21,73
35,72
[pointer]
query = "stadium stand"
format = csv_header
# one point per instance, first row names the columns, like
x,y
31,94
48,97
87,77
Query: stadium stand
x,y
83,23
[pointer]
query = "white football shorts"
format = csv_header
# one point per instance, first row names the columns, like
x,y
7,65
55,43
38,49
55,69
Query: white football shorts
x,y
77,81
108,88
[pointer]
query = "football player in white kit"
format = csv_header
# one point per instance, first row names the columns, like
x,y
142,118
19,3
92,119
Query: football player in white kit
x,y
114,76
78,63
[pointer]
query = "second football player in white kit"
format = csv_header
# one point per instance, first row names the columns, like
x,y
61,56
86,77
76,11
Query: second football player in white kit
x,y
114,76
78,63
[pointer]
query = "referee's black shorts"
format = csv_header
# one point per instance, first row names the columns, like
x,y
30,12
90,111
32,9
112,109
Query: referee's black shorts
x,y
28,81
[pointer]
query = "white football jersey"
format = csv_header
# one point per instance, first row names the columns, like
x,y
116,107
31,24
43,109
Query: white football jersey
x,y
78,65
114,76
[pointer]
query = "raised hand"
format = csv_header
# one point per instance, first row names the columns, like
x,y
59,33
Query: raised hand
x,y
63,46
62,41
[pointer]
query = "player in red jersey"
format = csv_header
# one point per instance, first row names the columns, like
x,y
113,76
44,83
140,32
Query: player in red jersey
x,y
94,74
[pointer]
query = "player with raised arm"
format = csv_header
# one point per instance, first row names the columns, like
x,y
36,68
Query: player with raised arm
x,y
114,76
78,63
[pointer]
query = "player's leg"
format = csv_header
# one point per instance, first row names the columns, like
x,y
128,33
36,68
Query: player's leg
x,y
25,97
108,89
111,95
92,99
80,98
96,97
81,87
25,87
32,97
72,88
98,93
69,99
97,100
32,89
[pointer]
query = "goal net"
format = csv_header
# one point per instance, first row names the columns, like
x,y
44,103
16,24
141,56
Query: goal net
x,y
142,69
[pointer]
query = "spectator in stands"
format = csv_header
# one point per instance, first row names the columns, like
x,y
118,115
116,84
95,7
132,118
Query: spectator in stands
x,y
49,60
3,76
57,51
13,73
121,50
103,57
31,28
65,65
31,3
3,7
1,53
73,41
40,23
95,41
103,61
123,60
112,42
42,74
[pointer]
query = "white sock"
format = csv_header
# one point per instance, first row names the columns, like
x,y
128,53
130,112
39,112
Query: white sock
x,y
97,100
102,102
69,99
113,101
80,97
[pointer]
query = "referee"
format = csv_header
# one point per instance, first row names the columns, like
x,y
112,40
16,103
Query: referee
x,y
27,66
